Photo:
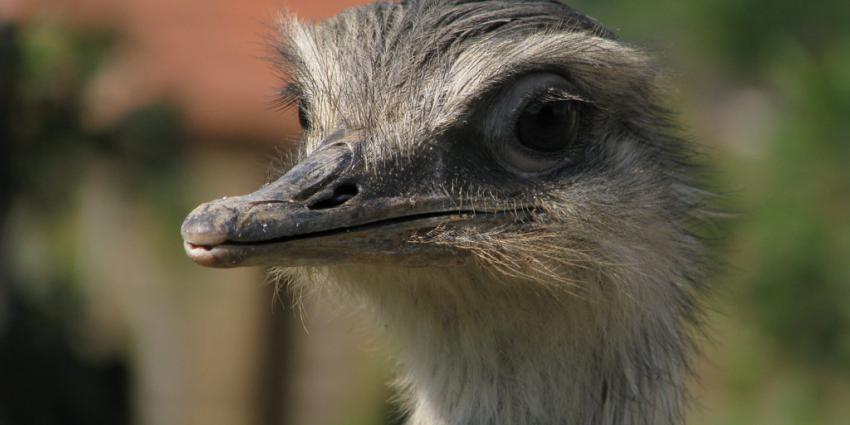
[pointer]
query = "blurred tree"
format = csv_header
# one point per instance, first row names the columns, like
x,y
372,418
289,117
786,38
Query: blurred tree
x,y
44,377
786,351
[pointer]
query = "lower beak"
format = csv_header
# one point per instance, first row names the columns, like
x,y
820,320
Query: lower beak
x,y
324,210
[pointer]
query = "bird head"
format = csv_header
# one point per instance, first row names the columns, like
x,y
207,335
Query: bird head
x,y
520,134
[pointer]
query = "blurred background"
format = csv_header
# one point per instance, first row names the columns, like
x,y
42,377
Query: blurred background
x,y
118,117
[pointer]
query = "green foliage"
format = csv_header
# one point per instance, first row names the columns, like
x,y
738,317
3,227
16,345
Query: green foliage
x,y
748,34
54,67
787,291
799,284
46,151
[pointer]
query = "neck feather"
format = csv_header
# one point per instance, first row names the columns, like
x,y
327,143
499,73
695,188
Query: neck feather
x,y
475,349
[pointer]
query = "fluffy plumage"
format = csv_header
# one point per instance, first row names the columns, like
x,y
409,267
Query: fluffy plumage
x,y
582,313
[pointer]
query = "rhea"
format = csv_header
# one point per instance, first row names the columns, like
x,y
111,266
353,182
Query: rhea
x,y
500,184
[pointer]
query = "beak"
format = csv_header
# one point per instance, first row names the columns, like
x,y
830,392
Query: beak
x,y
327,209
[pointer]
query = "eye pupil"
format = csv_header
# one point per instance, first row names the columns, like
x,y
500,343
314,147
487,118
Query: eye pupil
x,y
548,126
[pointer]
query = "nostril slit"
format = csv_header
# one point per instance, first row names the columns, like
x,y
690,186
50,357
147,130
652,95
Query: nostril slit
x,y
340,195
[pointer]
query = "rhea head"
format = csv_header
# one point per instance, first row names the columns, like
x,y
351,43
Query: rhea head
x,y
473,133
459,156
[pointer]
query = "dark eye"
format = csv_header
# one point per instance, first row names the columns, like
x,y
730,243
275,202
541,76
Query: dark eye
x,y
549,126
303,117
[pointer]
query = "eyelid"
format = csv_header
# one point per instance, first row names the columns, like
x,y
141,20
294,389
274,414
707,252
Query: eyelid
x,y
546,94
551,94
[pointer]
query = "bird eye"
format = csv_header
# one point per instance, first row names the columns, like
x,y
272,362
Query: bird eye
x,y
548,126
303,117
537,123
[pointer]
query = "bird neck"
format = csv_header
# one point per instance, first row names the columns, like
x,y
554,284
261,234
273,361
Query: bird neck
x,y
477,350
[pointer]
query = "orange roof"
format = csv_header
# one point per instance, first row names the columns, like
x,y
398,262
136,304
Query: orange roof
x,y
205,55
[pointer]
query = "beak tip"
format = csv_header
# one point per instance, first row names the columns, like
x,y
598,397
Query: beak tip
x,y
204,229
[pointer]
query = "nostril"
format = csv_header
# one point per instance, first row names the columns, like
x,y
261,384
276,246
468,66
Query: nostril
x,y
340,195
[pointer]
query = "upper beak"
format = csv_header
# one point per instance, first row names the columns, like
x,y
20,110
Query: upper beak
x,y
326,209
